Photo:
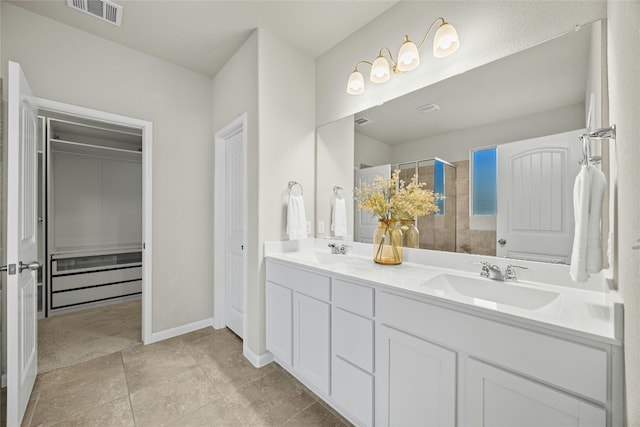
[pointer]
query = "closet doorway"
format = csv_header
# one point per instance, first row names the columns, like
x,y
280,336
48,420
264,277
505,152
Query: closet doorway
x,y
94,225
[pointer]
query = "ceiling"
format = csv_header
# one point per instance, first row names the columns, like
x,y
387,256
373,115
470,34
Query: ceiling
x,y
546,77
202,35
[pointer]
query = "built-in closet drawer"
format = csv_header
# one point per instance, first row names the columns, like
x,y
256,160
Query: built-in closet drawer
x,y
94,294
82,280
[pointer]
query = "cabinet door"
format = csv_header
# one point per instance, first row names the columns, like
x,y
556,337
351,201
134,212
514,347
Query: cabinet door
x,y
311,326
352,389
496,397
417,381
279,316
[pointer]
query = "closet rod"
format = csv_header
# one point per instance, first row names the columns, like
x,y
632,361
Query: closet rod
x,y
82,144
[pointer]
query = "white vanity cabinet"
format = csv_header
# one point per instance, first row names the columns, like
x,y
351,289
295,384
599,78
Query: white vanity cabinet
x,y
498,397
503,374
299,323
353,332
385,356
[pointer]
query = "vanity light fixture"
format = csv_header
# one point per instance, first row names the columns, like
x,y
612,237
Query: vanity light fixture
x,y
445,43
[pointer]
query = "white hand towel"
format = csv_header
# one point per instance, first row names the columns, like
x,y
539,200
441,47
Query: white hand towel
x,y
339,217
594,234
296,218
581,202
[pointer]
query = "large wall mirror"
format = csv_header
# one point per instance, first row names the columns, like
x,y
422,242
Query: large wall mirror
x,y
500,142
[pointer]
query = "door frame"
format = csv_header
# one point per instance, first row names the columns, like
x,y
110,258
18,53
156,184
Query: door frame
x,y
147,193
239,124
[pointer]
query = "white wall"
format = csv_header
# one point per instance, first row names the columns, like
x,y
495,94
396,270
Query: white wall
x,y
488,30
68,65
624,90
286,82
335,155
274,84
235,91
369,151
455,146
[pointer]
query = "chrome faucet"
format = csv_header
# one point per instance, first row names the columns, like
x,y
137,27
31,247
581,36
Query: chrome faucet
x,y
510,272
490,271
335,249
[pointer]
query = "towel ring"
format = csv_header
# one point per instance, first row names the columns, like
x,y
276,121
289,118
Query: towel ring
x,y
292,184
337,190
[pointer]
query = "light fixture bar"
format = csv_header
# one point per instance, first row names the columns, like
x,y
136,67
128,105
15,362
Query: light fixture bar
x,y
445,43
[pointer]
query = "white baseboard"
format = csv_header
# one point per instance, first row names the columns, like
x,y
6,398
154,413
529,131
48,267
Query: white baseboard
x,y
218,323
256,360
4,380
180,330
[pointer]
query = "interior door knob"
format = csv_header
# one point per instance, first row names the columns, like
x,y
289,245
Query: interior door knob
x,y
33,266
502,242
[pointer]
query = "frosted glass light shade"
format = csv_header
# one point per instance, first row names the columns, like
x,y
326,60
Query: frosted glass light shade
x,y
445,41
355,85
408,56
380,70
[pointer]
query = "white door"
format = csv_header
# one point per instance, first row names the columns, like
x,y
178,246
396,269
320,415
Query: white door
x,y
535,202
22,248
235,231
365,222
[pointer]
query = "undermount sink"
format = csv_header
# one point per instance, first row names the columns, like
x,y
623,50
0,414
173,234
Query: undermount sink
x,y
488,293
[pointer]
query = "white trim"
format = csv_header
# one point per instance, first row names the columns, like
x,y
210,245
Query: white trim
x,y
4,380
179,330
147,195
239,124
256,360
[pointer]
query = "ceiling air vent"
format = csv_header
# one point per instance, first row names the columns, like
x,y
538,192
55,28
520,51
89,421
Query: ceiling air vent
x,y
428,108
361,121
104,10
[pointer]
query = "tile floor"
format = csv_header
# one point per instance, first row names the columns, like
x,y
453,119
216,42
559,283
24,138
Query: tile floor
x,y
197,379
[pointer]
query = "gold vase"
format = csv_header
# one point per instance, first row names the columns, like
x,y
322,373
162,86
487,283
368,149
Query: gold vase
x,y
410,233
387,243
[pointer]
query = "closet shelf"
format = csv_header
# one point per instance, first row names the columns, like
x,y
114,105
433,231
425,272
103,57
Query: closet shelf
x,y
60,145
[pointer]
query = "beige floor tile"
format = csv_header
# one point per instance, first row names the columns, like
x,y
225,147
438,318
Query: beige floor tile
x,y
164,402
218,412
315,415
111,414
198,335
272,399
78,396
160,363
105,365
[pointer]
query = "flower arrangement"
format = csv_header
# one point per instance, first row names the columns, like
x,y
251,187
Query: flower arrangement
x,y
394,199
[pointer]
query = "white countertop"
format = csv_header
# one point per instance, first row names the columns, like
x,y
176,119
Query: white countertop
x,y
582,312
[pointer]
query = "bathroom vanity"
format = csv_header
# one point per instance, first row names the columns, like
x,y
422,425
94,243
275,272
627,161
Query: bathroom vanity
x,y
416,344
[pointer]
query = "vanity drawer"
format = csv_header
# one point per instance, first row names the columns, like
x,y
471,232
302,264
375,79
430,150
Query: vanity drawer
x,y
353,390
352,297
353,338
304,282
567,364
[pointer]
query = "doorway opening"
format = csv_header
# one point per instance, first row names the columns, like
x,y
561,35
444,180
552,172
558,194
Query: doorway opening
x,y
95,223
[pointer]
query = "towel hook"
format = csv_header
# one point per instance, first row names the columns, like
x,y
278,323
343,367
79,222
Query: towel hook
x,y
292,184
